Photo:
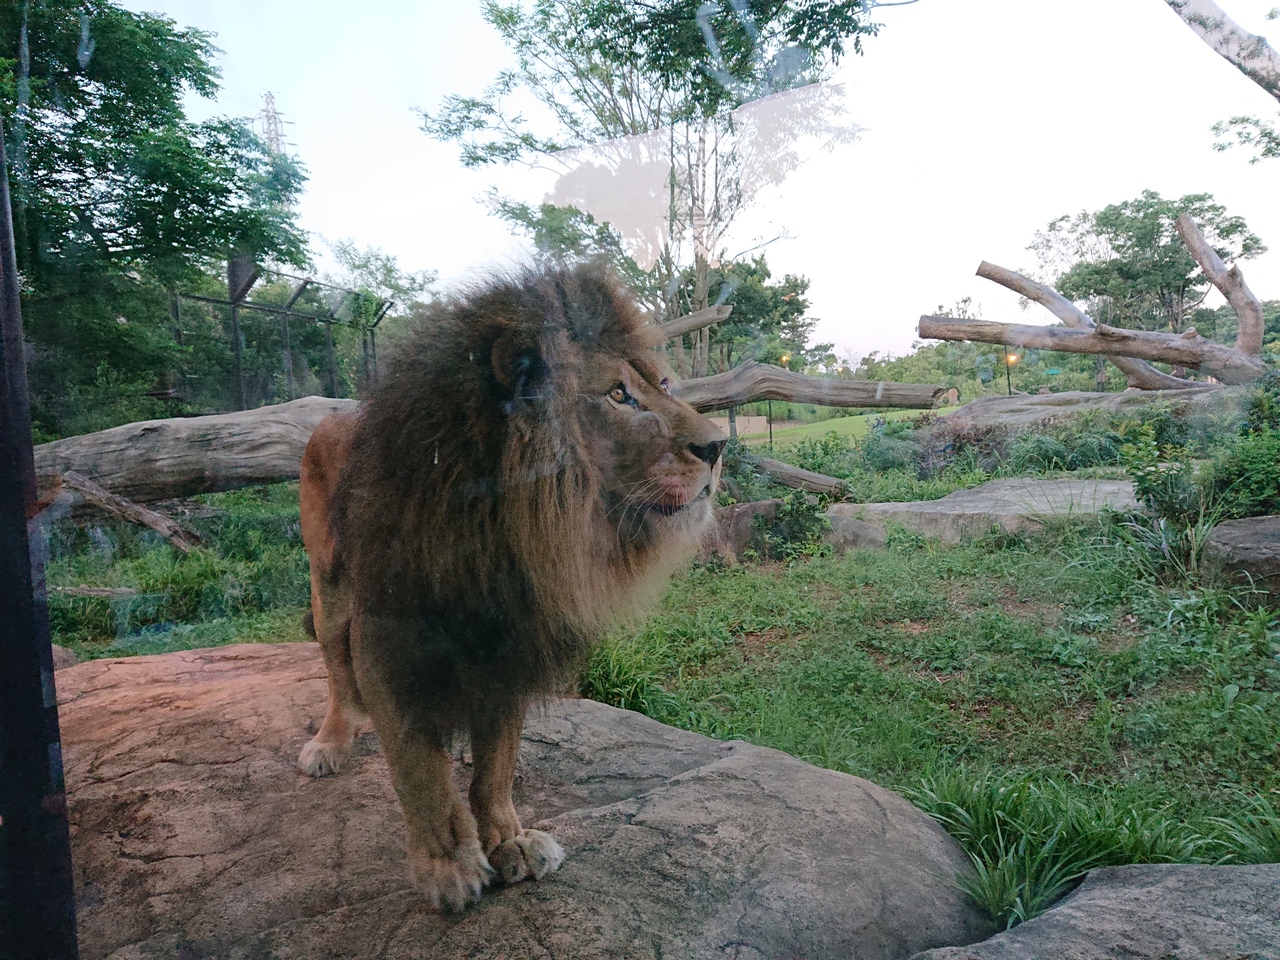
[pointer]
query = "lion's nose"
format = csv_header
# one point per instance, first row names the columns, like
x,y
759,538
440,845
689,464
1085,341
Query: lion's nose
x,y
708,453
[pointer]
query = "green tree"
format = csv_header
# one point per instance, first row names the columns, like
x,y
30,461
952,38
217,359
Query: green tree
x,y
654,86
119,198
1129,263
770,319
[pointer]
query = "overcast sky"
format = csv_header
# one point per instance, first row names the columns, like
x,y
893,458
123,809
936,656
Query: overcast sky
x,y
983,120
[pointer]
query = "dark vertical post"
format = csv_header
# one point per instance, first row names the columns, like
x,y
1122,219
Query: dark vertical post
x,y
286,358
1008,382
333,358
236,364
771,425
37,902
373,349
364,346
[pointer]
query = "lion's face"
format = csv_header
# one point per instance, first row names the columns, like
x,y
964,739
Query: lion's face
x,y
659,458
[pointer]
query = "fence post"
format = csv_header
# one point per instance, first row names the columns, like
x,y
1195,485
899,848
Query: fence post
x,y
37,900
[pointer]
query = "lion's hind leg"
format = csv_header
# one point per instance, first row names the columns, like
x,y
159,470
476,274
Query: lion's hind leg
x,y
329,750
515,853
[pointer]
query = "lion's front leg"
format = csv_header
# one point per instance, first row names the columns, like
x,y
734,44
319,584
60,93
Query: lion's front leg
x,y
495,748
445,858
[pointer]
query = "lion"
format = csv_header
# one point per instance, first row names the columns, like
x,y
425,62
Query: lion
x,y
519,477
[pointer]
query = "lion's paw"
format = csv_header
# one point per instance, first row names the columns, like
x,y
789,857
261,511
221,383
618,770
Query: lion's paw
x,y
453,884
533,854
321,759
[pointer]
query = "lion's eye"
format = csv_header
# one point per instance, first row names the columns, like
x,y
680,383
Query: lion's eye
x,y
619,394
665,385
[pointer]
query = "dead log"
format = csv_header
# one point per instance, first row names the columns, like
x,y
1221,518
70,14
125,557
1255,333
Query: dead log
x,y
1139,373
693,321
760,381
788,476
159,459
1188,349
1252,324
107,593
168,528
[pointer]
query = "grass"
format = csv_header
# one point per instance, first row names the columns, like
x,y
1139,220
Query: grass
x,y
1080,698
855,426
1053,710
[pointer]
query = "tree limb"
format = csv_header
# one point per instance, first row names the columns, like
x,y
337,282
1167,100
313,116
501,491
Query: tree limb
x,y
1139,374
788,476
693,321
168,528
760,381
1247,52
1248,310
1188,349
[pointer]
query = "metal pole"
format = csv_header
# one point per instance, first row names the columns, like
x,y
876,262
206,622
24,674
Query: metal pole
x,y
1007,381
333,359
286,358
37,900
373,348
771,426
236,363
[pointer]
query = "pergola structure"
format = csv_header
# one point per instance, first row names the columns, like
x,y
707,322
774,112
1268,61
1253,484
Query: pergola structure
x,y
243,273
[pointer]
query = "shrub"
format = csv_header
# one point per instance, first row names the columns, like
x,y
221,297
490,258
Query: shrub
x,y
795,530
1037,453
1245,476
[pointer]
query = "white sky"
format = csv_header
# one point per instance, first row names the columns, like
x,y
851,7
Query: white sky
x,y
984,120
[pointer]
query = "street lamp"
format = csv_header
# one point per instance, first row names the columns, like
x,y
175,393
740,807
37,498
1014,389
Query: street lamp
x,y
1009,359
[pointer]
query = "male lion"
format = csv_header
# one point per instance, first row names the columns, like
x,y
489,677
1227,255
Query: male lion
x,y
519,476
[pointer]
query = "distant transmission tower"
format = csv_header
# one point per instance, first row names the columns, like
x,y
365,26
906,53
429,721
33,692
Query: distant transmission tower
x,y
272,124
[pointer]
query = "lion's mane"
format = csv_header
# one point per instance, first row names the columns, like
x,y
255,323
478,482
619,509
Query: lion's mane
x,y
470,519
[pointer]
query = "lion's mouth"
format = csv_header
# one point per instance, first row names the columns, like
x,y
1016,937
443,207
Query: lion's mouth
x,y
669,508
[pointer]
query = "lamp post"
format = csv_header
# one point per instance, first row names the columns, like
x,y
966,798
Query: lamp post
x,y
1009,359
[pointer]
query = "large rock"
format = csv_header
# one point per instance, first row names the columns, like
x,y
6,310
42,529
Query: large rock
x,y
1249,549
1149,913
1012,505
195,837
1021,412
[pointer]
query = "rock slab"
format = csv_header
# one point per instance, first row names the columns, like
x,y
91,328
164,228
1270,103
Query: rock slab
x,y
194,836
1249,549
1012,505
1158,912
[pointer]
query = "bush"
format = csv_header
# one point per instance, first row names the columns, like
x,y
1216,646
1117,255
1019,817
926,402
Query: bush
x,y
1037,453
795,530
1245,476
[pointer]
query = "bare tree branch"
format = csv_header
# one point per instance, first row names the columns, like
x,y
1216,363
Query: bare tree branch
x,y
1248,310
693,321
1188,349
797,479
761,381
1139,373
168,528
1247,52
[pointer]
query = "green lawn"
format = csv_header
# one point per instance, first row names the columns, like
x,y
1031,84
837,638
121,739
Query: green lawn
x,y
857,426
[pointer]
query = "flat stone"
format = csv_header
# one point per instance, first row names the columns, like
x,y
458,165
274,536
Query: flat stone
x,y
1153,912
733,528
1248,549
1012,505
194,835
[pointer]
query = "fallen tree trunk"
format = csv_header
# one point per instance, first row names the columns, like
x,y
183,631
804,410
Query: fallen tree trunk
x,y
1251,324
760,381
789,476
1188,349
693,321
170,529
158,459
1138,373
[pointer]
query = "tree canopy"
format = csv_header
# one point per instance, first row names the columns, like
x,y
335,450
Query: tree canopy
x,y
119,197
1128,261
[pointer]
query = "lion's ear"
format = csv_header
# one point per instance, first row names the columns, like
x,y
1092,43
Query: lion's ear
x,y
517,366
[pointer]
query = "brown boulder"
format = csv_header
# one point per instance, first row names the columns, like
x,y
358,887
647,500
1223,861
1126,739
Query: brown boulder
x,y
195,836
1247,549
